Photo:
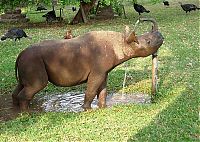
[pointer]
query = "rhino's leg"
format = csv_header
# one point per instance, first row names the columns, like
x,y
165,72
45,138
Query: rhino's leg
x,y
18,88
27,94
33,81
93,85
102,95
33,76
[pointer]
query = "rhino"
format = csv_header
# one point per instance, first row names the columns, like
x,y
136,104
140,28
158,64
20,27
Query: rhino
x,y
87,58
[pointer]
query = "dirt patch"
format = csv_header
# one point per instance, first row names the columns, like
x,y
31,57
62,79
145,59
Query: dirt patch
x,y
8,112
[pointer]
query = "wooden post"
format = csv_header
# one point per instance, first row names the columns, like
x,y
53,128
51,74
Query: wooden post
x,y
154,74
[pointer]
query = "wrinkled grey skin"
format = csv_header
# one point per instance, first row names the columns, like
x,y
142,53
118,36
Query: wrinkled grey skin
x,y
87,58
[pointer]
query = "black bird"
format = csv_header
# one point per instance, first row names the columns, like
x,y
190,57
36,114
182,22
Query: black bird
x,y
188,7
50,16
14,33
73,8
40,8
166,3
140,9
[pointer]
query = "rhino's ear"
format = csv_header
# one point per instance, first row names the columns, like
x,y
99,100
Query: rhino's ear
x,y
132,38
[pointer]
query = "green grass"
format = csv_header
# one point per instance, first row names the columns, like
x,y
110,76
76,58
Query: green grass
x,y
173,117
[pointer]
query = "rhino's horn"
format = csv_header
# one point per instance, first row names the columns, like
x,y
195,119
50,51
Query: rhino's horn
x,y
155,25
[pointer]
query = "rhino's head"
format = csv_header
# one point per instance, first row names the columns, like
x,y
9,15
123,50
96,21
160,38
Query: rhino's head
x,y
148,43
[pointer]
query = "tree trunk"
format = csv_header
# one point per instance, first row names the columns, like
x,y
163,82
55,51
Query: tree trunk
x,y
83,12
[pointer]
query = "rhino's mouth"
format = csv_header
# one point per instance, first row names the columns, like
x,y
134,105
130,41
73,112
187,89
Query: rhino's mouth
x,y
157,40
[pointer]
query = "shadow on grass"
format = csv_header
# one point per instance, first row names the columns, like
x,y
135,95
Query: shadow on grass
x,y
31,123
178,122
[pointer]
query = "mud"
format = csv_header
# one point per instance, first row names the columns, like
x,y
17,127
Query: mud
x,y
68,102
8,112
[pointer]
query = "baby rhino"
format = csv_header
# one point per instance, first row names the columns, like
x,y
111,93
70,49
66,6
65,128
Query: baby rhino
x,y
86,58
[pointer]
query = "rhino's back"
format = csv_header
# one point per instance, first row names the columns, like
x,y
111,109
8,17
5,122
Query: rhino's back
x,y
93,37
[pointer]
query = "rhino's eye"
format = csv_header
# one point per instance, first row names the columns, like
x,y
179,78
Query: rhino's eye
x,y
148,41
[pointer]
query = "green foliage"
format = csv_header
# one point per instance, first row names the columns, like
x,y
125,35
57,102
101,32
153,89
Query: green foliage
x,y
11,4
134,1
106,2
69,2
117,5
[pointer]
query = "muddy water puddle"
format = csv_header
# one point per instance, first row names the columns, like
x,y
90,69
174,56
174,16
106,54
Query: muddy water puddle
x,y
67,102
72,101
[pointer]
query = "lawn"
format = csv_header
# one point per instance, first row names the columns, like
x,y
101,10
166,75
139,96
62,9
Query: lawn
x,y
173,117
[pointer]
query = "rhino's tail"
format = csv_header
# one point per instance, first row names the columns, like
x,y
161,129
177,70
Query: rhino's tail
x,y
16,67
155,25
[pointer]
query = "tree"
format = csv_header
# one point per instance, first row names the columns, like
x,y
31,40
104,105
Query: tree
x,y
87,5
83,11
81,16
